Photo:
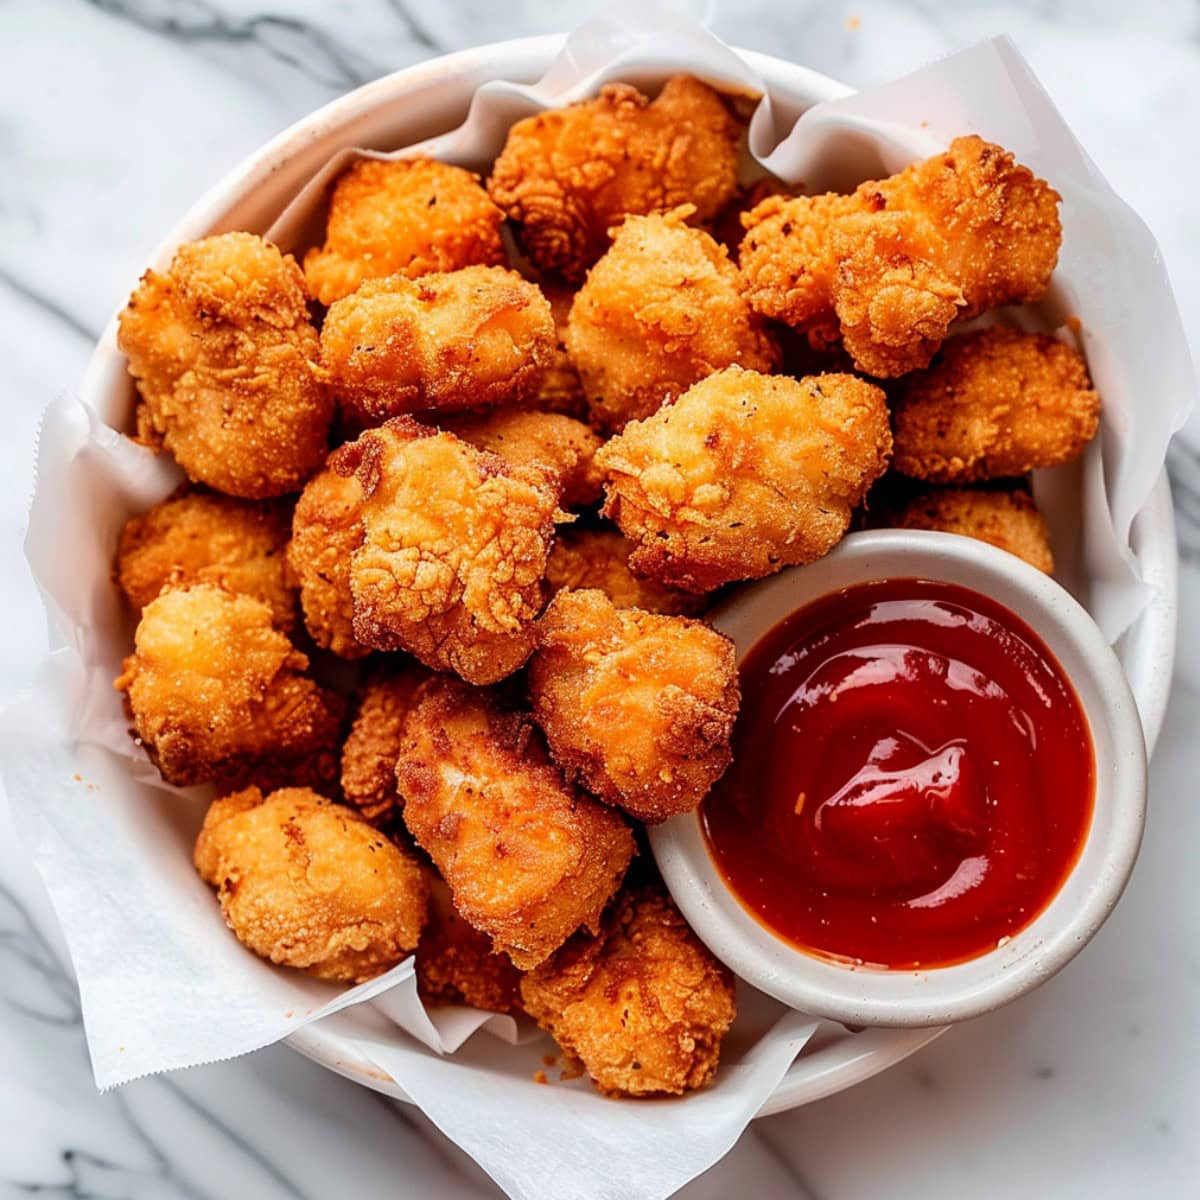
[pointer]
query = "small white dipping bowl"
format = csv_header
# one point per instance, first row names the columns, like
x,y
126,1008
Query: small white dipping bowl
x,y
864,995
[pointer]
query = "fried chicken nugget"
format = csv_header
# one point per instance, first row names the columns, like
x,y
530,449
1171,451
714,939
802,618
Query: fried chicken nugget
x,y
1004,517
568,174
222,349
457,965
599,558
636,706
562,446
745,474
217,693
308,883
642,1006
466,339
326,530
197,537
406,217
658,312
893,264
372,746
560,390
453,552
528,858
997,403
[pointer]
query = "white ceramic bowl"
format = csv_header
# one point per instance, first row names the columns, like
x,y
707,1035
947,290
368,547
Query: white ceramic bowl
x,y
890,998
431,98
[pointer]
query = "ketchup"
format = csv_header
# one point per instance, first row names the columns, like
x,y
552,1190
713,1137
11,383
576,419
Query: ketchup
x,y
912,777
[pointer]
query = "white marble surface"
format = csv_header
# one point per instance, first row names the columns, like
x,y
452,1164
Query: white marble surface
x,y
114,115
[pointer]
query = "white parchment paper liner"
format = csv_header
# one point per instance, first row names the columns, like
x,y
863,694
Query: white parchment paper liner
x,y
163,983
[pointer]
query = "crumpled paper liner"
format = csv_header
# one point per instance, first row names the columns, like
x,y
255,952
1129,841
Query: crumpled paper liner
x,y
163,983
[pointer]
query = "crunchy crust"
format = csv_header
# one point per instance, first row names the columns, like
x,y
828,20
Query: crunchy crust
x,y
198,537
222,349
636,706
466,339
373,743
642,1006
326,530
568,174
658,312
1006,518
457,965
404,217
307,883
559,445
455,542
997,403
599,558
217,693
528,858
745,474
889,267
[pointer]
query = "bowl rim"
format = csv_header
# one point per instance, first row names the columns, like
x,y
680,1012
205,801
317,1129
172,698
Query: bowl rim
x,y
847,1061
933,996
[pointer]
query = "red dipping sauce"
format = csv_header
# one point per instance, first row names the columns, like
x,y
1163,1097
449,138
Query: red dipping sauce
x,y
912,777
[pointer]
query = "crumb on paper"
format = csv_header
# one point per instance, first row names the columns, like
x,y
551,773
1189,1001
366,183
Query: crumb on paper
x,y
77,777
853,23
571,1071
287,1016
540,1077
1074,324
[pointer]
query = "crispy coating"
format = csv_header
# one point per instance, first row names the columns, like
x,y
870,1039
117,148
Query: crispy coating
x,y
893,264
1004,517
528,858
466,339
599,558
217,693
407,217
638,707
326,530
559,445
560,390
373,744
744,475
454,549
197,537
658,312
643,1006
222,350
997,403
568,174
456,963
308,883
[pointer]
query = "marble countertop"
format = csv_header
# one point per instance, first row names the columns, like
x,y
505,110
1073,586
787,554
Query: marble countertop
x,y
114,116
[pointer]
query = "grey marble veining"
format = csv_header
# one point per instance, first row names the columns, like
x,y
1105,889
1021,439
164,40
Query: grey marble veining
x,y
114,116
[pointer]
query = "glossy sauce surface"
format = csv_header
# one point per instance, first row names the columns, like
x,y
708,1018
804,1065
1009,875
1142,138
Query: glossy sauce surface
x,y
912,780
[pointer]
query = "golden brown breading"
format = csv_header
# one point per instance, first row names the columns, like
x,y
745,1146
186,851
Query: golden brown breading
x,y
307,883
466,339
643,1006
222,350
599,558
997,403
636,706
528,858
568,174
216,693
197,537
560,390
456,963
745,474
1002,516
893,264
454,549
326,530
658,312
406,217
373,744
561,446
